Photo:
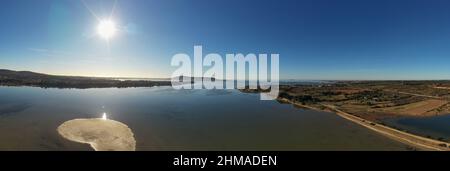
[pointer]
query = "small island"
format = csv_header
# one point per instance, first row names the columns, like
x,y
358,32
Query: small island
x,y
101,133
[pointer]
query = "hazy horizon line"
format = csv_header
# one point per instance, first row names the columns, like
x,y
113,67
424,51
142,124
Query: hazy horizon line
x,y
281,80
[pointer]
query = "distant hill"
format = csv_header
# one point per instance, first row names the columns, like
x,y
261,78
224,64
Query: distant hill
x,y
27,78
20,74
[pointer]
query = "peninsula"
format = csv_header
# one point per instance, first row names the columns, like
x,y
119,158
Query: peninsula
x,y
368,103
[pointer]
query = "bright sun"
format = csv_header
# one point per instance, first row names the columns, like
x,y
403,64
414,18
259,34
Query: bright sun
x,y
106,29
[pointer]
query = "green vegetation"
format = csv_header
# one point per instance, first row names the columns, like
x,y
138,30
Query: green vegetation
x,y
373,100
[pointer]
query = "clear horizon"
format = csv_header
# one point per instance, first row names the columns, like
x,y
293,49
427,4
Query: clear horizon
x,y
316,39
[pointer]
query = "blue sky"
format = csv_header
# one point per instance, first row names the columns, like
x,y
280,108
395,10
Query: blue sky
x,y
316,39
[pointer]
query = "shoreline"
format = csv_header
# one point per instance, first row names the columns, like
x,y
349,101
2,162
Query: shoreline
x,y
417,141
410,139
100,134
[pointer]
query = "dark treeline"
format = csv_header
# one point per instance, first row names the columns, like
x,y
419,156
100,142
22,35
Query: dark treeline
x,y
26,78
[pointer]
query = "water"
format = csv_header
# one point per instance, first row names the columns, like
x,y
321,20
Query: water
x,y
437,127
166,119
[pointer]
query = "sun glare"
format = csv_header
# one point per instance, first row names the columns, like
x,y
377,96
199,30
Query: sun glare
x,y
104,116
106,29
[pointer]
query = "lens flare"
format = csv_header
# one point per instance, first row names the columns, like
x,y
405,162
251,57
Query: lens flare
x,y
106,29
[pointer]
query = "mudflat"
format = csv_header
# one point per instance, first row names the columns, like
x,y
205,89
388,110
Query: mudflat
x,y
101,134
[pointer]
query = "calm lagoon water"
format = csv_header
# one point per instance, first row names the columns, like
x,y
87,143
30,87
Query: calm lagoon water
x,y
437,127
166,119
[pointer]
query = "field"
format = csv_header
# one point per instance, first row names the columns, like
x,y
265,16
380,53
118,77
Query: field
x,y
375,100
422,108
